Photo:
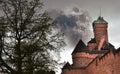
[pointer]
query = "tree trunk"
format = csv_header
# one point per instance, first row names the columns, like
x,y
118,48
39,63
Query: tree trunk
x,y
19,57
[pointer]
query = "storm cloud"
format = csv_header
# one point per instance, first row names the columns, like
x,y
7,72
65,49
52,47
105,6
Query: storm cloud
x,y
73,22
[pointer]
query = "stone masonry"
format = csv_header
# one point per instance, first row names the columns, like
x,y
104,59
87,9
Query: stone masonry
x,y
97,57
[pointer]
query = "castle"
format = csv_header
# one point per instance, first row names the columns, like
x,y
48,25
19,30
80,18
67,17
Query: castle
x,y
98,56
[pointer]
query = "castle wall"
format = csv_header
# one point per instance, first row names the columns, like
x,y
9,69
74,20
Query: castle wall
x,y
74,71
109,64
85,63
82,59
81,62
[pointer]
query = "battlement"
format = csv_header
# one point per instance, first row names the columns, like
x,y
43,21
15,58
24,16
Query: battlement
x,y
98,57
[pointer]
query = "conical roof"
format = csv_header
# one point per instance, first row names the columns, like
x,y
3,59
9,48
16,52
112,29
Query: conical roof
x,y
100,20
81,47
66,66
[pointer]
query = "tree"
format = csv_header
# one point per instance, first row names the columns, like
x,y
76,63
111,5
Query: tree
x,y
27,37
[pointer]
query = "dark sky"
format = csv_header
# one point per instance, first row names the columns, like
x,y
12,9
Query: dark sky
x,y
109,7
110,10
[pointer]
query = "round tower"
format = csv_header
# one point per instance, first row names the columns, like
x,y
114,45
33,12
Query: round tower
x,y
80,55
100,30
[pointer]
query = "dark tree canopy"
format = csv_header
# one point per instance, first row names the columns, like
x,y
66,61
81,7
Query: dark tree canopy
x,y
27,36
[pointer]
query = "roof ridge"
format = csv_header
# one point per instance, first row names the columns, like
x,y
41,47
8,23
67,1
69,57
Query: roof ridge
x,y
66,66
80,47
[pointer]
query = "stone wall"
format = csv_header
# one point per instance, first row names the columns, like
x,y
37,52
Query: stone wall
x,y
74,71
82,59
108,64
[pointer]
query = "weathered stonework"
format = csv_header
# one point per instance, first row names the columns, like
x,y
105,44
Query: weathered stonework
x,y
98,57
100,30
91,46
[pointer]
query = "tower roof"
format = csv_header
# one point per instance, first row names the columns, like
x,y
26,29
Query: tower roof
x,y
100,20
66,66
81,47
92,40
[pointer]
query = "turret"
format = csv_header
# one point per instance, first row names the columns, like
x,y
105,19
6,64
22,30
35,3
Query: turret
x,y
81,56
100,32
65,68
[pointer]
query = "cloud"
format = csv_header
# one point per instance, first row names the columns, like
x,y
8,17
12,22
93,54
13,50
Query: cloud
x,y
73,22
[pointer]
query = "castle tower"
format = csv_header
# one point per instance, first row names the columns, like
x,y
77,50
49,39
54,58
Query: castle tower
x,y
81,56
98,57
100,31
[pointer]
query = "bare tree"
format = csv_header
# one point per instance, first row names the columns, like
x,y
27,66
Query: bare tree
x,y
27,36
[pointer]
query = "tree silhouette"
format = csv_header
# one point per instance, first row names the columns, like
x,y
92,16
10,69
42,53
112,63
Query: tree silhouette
x,y
27,36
